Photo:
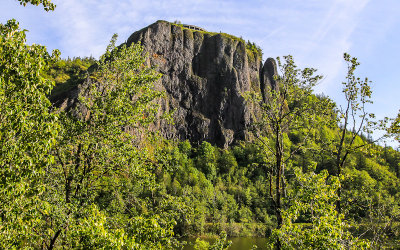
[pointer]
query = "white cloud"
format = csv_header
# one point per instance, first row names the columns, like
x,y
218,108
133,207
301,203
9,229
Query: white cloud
x,y
317,36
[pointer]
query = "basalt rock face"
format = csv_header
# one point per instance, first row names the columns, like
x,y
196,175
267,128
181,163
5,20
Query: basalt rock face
x,y
205,76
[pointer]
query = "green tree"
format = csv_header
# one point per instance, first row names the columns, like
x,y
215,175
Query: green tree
x,y
288,107
352,119
27,133
394,128
207,160
47,4
313,203
103,158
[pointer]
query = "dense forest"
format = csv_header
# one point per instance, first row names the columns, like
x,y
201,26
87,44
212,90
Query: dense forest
x,y
95,175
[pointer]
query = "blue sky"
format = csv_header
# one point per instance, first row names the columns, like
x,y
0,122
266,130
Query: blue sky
x,y
315,32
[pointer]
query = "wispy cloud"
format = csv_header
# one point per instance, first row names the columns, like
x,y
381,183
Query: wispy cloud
x,y
315,32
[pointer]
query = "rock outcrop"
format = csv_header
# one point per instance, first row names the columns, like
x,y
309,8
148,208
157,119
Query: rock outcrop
x,y
204,76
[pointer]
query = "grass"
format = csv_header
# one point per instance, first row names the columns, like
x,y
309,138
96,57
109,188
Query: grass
x,y
253,50
205,32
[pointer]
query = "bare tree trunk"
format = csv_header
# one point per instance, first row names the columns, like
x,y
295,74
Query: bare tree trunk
x,y
278,204
53,240
339,192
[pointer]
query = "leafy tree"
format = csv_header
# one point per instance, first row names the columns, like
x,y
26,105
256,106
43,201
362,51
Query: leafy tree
x,y
102,154
288,107
313,200
47,4
394,128
227,162
27,133
91,232
207,160
352,119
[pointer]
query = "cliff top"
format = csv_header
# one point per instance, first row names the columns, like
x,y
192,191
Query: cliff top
x,y
251,48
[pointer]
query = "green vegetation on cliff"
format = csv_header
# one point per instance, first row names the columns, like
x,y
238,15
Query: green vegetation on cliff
x,y
68,74
178,24
252,49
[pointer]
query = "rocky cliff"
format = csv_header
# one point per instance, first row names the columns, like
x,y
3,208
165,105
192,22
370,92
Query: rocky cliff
x,y
204,76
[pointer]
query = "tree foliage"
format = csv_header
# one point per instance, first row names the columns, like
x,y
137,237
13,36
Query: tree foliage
x,y
352,119
311,221
288,107
394,128
47,4
27,132
98,160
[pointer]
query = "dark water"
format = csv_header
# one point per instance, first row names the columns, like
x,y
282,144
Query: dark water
x,y
238,243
